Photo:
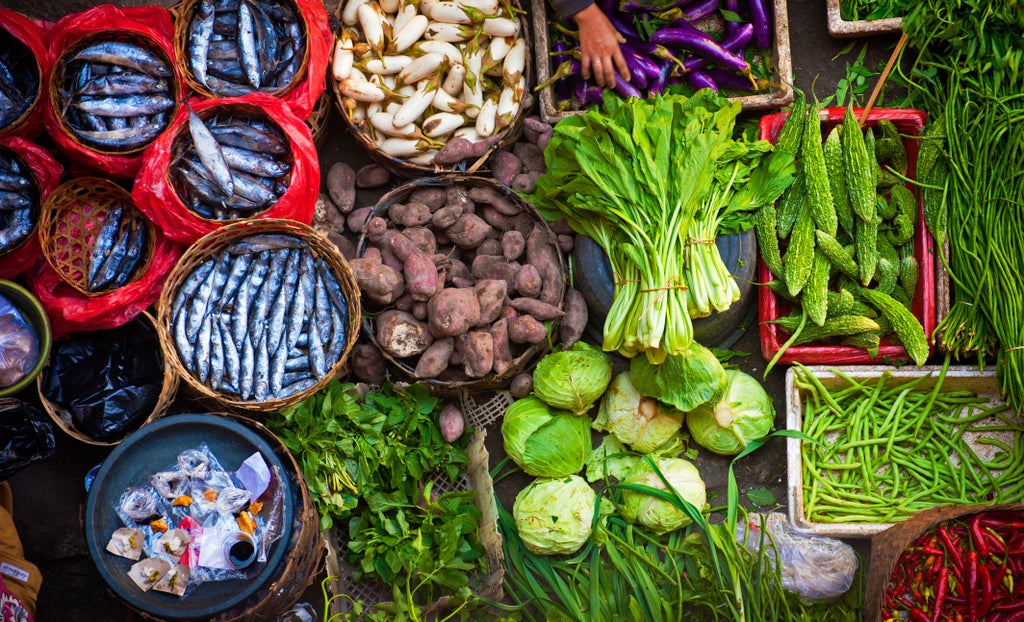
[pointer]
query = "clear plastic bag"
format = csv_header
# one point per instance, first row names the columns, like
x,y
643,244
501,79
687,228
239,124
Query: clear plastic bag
x,y
813,567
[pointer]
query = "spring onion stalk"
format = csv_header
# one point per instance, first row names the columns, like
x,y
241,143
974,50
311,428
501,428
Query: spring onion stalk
x,y
654,182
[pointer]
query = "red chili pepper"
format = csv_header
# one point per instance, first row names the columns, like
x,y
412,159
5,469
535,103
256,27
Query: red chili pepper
x,y
985,586
970,589
1015,617
952,550
931,550
978,536
916,615
996,541
998,523
940,593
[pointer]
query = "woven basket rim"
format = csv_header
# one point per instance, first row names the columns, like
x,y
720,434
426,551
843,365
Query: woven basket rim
x,y
245,108
318,119
13,127
51,215
508,134
210,244
163,402
521,362
57,74
182,13
34,231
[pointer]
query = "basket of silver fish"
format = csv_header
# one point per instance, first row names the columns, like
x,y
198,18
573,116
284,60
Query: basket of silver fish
x,y
114,92
259,314
19,201
22,54
94,237
427,86
232,47
99,386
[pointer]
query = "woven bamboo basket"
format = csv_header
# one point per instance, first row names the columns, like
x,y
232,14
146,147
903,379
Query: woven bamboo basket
x,y
65,421
317,120
34,192
524,356
57,76
13,128
182,12
404,168
71,219
211,244
183,139
888,546
304,559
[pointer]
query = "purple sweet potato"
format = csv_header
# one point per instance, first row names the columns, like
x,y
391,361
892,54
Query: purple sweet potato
x,y
502,351
423,238
525,182
453,311
357,219
505,166
540,310
433,197
512,245
490,293
401,246
489,247
468,231
454,151
526,329
496,199
446,216
566,243
459,195
326,216
344,244
477,350
419,311
421,278
404,302
571,328
531,155
341,185
534,128
372,253
561,227
528,281
543,254
376,229
367,364
401,335
434,359
495,218
451,422
372,176
494,267
381,284
521,386
457,269
412,214
462,283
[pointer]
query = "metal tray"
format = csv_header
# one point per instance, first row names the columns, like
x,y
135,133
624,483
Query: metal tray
x,y
778,96
957,378
844,29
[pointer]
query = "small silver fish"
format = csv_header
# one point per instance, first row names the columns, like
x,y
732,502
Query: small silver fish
x,y
209,152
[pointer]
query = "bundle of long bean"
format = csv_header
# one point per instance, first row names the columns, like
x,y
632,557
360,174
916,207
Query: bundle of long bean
x,y
968,77
888,449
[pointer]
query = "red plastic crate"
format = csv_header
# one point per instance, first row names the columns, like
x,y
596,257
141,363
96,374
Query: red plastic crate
x,y
771,307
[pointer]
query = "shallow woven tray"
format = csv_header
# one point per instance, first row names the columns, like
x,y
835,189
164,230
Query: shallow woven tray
x,y
64,419
212,243
526,357
71,218
56,82
846,29
182,14
481,412
404,168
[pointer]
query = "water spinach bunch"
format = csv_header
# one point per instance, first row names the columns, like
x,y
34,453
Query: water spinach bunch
x,y
654,182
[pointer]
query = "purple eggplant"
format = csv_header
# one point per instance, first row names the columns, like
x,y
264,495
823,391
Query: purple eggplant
x,y
588,94
623,25
733,6
731,80
700,80
757,12
625,89
641,62
700,10
567,68
689,38
657,86
732,43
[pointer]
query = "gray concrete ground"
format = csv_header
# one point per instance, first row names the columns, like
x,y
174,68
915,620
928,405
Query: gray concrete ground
x,y
49,497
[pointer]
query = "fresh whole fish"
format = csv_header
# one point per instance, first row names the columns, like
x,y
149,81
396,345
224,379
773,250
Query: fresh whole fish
x,y
118,249
119,84
247,322
209,152
124,55
19,78
19,202
199,39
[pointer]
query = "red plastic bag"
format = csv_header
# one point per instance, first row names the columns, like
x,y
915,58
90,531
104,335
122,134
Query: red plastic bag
x,y
150,22
155,196
71,311
33,34
47,172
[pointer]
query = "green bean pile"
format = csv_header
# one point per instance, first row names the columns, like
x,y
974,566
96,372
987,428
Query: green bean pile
x,y
888,449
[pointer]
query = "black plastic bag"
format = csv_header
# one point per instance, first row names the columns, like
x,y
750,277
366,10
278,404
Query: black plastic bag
x,y
108,380
26,436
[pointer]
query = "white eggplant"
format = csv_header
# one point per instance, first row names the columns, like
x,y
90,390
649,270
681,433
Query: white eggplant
x,y
508,106
405,91
361,90
497,49
468,132
417,103
355,110
410,32
385,123
501,27
341,65
403,147
515,61
390,6
423,67
373,108
486,119
452,33
473,90
486,7
449,12
385,65
423,158
441,124
371,20
447,103
454,81
444,48
349,15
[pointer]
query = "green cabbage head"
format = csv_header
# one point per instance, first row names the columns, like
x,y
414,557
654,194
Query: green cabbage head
x,y
572,379
656,514
543,441
555,516
641,422
744,414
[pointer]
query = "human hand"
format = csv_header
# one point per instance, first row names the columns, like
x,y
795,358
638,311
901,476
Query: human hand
x,y
600,54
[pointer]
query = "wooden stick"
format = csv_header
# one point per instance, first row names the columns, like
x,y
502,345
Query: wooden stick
x,y
885,76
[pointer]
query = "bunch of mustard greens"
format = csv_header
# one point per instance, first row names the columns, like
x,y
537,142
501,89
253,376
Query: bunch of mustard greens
x,y
654,181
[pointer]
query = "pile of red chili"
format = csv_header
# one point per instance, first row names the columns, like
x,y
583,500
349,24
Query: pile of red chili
x,y
963,570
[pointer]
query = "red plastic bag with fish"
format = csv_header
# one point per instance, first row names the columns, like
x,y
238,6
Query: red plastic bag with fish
x,y
33,34
155,195
47,172
71,311
150,25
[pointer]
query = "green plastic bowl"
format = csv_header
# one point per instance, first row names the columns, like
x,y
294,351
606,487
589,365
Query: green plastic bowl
x,y
33,311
